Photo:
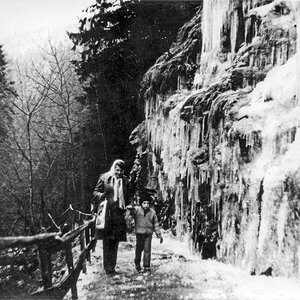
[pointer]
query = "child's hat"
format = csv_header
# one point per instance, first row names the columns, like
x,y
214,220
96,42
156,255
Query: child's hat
x,y
145,197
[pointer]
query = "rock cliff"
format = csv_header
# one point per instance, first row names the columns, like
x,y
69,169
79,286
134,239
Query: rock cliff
x,y
220,141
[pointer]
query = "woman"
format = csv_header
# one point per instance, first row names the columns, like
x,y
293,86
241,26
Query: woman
x,y
112,186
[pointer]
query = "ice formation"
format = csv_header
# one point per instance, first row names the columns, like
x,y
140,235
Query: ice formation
x,y
226,150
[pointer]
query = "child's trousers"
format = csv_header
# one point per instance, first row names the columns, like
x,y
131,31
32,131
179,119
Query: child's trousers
x,y
143,243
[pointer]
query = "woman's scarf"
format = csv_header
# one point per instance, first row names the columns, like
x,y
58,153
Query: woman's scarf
x,y
118,191
117,184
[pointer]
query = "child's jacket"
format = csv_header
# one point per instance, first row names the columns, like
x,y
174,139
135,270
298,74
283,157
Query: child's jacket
x,y
145,222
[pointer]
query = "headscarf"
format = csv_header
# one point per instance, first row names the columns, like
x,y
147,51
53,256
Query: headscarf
x,y
118,183
116,162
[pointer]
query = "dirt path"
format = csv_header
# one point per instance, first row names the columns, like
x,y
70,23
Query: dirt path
x,y
177,275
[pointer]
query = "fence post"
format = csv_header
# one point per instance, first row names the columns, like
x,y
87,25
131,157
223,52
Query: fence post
x,y
87,241
69,260
82,245
45,265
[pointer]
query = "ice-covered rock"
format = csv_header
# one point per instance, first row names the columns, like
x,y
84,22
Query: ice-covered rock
x,y
224,151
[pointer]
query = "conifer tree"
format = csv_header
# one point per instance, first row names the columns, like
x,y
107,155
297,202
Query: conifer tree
x,y
119,41
6,91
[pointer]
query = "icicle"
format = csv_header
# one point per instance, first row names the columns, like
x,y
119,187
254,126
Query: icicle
x,y
297,8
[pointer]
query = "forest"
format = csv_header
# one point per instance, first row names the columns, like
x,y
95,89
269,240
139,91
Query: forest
x,y
67,114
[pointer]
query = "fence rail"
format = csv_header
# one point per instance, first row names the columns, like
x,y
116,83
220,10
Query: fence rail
x,y
50,243
12,241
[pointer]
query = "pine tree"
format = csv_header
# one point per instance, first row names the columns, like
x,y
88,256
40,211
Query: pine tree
x,y
6,91
118,43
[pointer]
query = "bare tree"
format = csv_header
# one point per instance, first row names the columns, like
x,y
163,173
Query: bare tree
x,y
45,139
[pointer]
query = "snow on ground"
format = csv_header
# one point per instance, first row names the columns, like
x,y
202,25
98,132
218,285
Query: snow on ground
x,y
241,285
178,274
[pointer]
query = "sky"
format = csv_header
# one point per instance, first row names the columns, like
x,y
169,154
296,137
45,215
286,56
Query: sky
x,y
27,24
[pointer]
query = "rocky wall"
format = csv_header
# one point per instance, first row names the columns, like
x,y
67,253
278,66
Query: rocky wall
x,y
223,147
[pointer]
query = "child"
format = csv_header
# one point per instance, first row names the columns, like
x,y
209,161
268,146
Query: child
x,y
145,223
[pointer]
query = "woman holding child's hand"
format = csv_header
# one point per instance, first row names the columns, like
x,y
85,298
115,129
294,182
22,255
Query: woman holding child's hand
x,y
112,186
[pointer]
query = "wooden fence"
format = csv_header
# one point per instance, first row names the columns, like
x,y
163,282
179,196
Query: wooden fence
x,y
50,243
